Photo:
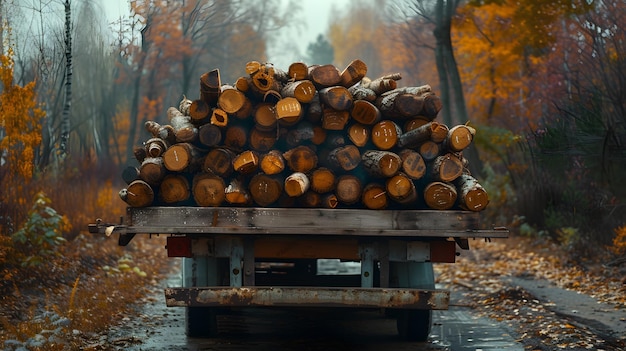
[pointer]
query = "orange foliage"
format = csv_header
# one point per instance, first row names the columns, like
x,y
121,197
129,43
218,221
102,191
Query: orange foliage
x,y
20,118
363,33
20,122
493,70
619,241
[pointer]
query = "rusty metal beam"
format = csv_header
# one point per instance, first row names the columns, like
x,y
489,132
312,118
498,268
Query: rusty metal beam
x,y
308,297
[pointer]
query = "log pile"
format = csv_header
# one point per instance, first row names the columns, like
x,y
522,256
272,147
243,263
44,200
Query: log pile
x,y
311,136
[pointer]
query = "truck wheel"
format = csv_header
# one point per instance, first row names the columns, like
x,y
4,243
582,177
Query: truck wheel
x,y
414,325
201,322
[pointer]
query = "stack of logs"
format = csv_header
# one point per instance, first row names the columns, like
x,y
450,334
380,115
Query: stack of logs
x,y
312,136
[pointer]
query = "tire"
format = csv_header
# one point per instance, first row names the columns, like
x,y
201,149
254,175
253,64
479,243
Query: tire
x,y
201,322
414,325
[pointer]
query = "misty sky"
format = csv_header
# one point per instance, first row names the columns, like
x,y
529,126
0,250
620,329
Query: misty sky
x,y
315,12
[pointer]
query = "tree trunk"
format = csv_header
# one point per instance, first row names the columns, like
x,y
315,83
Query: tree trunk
x,y
65,121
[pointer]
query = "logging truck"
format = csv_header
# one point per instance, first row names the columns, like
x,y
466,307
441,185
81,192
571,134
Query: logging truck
x,y
257,183
268,257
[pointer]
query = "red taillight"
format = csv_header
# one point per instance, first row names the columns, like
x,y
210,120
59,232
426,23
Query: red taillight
x,y
178,246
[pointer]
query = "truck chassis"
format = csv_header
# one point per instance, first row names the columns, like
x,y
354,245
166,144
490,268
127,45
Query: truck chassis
x,y
266,257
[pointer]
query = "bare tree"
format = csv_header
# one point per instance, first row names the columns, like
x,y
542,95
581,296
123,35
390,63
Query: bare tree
x,y
67,105
437,15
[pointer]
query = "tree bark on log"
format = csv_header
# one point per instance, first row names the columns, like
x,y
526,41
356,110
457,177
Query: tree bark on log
x,y
429,131
344,158
165,132
152,170
155,147
184,130
383,84
472,196
302,90
381,164
336,97
296,184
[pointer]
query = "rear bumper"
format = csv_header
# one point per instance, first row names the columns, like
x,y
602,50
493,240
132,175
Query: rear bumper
x,y
308,297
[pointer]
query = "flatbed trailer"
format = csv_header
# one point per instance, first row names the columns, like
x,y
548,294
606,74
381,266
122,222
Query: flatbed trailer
x,y
237,257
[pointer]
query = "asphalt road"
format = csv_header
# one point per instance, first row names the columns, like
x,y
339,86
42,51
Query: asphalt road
x,y
158,327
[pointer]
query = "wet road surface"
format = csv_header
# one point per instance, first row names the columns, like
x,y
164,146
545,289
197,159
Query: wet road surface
x,y
158,327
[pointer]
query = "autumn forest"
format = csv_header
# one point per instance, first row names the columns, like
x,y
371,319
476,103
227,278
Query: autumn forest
x,y
542,81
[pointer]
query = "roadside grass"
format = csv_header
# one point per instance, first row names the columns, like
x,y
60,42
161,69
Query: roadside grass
x,y
93,284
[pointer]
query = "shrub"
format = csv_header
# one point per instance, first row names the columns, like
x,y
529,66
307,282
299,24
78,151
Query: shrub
x,y
42,233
